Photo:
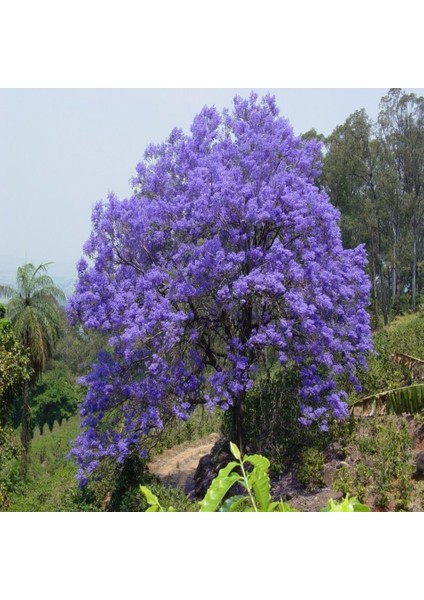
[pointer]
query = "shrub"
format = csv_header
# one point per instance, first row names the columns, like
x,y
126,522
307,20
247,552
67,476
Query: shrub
x,y
311,469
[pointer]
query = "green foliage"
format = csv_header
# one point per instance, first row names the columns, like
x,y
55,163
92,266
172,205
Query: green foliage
x,y
391,372
33,308
374,174
250,474
355,482
14,368
346,505
271,419
311,469
405,400
200,424
385,464
78,348
173,498
51,485
8,454
55,397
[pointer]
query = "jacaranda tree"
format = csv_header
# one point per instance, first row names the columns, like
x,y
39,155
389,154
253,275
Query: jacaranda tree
x,y
226,255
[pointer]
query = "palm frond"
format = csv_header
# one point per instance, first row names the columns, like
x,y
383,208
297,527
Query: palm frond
x,y
35,312
404,400
7,291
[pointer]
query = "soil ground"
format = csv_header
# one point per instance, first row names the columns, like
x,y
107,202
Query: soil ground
x,y
176,466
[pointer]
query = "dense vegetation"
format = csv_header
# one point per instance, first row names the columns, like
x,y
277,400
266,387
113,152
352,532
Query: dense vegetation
x,y
245,298
374,173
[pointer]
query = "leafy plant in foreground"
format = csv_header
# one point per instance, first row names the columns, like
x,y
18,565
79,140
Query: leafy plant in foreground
x,y
251,474
346,505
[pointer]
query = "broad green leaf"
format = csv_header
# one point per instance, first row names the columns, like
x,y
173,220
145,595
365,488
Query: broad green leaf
x,y
227,469
346,505
281,506
150,497
235,451
233,503
217,490
359,507
261,489
409,399
258,461
153,508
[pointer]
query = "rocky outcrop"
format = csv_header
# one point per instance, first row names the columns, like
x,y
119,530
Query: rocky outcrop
x,y
210,465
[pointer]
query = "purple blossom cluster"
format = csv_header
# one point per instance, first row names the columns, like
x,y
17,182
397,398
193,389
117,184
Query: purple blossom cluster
x,y
226,253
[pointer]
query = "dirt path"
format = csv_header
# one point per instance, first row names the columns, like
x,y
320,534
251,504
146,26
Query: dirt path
x,y
176,466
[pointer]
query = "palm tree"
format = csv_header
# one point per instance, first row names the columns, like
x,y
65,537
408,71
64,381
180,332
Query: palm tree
x,y
34,310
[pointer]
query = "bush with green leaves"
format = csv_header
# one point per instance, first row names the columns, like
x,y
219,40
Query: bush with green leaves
x,y
311,469
55,398
200,424
9,476
346,505
14,368
250,475
405,335
271,422
385,464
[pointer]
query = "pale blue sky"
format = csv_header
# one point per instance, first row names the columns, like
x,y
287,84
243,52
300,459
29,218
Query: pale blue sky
x,y
61,150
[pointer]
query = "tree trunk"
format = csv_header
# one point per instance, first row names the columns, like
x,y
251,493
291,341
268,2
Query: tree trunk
x,y
26,431
414,269
237,425
394,269
374,285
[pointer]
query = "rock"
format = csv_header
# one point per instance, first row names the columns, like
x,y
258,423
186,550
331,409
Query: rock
x,y
203,476
420,463
210,465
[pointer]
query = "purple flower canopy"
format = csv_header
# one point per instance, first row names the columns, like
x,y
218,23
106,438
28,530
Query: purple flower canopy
x,y
226,253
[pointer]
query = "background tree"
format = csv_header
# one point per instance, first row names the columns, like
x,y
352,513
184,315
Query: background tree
x,y
373,173
55,397
349,178
14,367
227,261
34,310
401,179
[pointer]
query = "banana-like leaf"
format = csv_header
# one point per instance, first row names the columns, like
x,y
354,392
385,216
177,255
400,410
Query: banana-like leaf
x,y
258,461
414,365
217,490
233,503
150,497
235,451
346,505
409,399
259,481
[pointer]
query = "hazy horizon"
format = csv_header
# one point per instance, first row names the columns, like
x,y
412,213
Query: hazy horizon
x,y
62,150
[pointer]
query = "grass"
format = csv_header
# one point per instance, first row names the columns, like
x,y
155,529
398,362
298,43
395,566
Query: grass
x,y
51,485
